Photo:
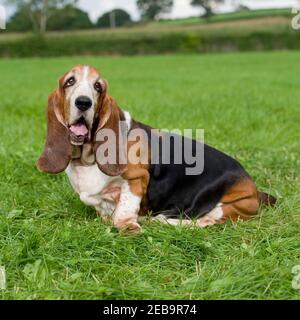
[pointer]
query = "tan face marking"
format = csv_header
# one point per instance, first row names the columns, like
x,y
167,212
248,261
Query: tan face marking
x,y
82,87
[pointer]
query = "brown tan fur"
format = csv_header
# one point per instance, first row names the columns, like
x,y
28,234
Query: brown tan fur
x,y
58,150
240,202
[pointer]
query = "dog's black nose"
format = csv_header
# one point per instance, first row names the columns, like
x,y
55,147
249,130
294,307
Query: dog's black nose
x,y
83,103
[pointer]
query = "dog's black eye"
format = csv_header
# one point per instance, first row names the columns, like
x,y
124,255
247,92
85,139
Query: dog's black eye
x,y
98,87
70,82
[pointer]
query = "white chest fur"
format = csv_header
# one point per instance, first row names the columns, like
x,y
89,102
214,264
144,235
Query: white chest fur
x,y
94,187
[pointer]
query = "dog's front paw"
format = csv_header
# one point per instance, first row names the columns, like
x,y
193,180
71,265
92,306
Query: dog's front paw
x,y
128,226
131,228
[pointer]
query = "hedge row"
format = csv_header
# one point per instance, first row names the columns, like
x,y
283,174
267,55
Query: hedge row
x,y
147,44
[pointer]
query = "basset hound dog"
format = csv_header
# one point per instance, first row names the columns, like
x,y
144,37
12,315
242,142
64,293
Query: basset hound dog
x,y
81,109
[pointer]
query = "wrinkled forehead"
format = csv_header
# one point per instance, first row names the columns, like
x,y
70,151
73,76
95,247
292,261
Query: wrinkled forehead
x,y
83,72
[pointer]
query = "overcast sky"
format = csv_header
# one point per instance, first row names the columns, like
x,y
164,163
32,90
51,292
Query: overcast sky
x,y
182,8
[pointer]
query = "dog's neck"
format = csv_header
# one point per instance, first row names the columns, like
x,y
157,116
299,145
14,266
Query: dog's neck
x,y
84,153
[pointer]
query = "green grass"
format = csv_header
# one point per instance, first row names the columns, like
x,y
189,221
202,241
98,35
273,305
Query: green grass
x,y
181,25
54,247
239,31
225,17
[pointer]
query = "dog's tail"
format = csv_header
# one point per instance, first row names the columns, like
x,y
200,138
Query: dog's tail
x,y
266,199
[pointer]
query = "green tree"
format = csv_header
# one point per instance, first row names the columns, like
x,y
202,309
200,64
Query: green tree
x,y
69,18
114,18
150,9
38,11
207,5
20,21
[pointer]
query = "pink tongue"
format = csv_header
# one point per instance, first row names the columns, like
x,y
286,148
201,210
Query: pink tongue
x,y
79,129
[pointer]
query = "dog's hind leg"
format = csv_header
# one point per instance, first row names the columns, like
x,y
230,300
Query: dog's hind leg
x,y
241,202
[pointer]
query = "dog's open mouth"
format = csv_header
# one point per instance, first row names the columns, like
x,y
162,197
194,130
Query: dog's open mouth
x,y
79,132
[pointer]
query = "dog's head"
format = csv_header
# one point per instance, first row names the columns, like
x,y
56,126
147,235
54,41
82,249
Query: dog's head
x,y
81,91
77,110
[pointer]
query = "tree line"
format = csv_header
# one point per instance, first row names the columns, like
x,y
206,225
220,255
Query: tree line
x,y
42,15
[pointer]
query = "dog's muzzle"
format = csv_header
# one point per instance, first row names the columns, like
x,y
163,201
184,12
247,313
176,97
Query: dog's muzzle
x,y
79,132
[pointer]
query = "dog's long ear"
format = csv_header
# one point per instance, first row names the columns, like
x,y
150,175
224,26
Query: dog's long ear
x,y
58,150
111,151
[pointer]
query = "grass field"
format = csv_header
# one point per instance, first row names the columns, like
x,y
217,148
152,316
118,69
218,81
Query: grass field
x,y
232,32
274,20
180,24
230,16
247,25
54,247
